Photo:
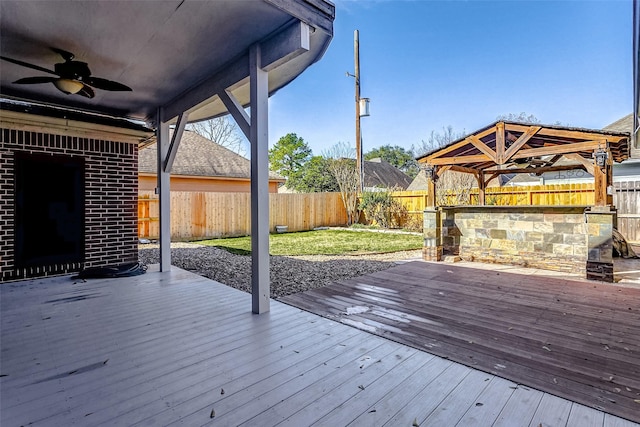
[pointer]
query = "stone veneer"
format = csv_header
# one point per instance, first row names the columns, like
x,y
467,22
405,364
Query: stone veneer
x,y
560,238
111,197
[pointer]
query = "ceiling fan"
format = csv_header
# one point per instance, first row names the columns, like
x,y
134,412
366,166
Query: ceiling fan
x,y
73,77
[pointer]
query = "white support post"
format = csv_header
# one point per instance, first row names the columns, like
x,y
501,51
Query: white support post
x,y
163,190
259,139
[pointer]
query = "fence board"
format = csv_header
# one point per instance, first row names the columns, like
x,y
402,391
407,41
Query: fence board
x,y
626,198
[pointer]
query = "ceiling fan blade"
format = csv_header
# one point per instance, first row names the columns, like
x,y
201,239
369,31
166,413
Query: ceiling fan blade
x,y
26,64
87,92
35,80
67,56
105,84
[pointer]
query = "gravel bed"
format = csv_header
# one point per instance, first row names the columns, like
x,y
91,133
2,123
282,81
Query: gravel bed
x,y
289,275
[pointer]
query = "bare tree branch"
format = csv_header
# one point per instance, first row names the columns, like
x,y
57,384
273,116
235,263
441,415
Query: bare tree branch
x,y
343,168
222,131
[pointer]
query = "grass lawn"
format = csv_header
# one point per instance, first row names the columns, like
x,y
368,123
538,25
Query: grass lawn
x,y
325,242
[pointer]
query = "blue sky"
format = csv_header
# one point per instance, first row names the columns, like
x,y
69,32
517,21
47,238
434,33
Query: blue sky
x,y
430,64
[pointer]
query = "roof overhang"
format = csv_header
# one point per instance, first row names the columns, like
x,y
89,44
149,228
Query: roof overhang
x,y
176,55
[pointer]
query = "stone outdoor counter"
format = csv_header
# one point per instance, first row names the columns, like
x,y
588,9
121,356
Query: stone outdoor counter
x,y
573,239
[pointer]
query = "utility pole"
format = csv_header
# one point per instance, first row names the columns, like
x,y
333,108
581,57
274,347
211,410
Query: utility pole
x,y
356,57
362,110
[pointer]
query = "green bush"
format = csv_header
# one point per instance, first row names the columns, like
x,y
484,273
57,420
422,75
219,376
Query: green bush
x,y
382,209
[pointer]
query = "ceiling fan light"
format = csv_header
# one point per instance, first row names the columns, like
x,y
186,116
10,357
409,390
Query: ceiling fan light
x,y
68,86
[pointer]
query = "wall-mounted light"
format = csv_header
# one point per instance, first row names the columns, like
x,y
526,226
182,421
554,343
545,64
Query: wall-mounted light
x,y
600,157
430,172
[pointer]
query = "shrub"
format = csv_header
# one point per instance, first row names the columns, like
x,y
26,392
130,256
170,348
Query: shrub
x,y
381,208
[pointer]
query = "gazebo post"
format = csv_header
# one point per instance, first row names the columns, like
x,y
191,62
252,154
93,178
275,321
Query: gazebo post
x,y
431,192
602,175
481,188
432,227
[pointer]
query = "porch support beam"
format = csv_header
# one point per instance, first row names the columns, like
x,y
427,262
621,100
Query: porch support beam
x,y
259,139
175,142
163,190
237,112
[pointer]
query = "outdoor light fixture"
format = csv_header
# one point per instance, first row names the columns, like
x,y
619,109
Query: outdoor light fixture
x,y
601,157
430,171
68,86
364,107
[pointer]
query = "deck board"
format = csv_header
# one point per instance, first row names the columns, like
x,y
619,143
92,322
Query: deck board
x,y
178,346
577,339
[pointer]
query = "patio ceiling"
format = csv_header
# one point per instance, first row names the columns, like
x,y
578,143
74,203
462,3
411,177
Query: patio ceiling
x,y
174,54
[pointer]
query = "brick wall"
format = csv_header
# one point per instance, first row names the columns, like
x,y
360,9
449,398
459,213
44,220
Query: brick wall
x,y
552,238
111,195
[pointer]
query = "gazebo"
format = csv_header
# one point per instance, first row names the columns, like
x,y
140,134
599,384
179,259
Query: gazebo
x,y
565,238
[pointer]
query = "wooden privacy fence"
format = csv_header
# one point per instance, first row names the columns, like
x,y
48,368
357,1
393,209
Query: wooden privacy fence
x,y
202,215
627,199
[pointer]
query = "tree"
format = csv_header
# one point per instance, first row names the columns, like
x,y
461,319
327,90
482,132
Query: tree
x,y
397,156
342,166
519,118
222,131
438,140
314,177
453,188
289,155
527,118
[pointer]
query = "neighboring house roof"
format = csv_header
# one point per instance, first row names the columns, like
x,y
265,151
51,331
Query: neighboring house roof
x,y
625,124
199,156
379,173
419,182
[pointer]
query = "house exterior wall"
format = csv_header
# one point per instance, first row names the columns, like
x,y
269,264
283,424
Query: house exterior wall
x,y
148,182
111,197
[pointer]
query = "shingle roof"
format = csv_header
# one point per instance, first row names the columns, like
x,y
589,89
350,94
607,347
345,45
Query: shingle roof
x,y
379,173
625,124
199,156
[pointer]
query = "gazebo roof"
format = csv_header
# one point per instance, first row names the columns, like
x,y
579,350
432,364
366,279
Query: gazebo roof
x,y
504,146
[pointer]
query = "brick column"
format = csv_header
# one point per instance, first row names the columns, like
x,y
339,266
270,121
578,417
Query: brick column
x,y
432,250
600,221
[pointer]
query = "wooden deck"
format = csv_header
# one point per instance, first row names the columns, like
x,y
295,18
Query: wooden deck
x,y
178,349
576,339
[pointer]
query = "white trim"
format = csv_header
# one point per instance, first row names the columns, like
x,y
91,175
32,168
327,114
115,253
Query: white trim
x,y
58,126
